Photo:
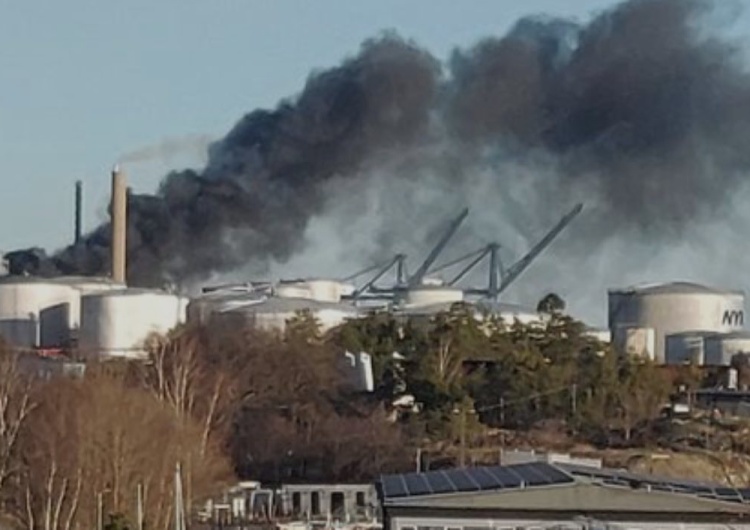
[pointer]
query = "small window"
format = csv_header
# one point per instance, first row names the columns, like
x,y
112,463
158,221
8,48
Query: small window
x,y
361,500
315,503
407,528
296,502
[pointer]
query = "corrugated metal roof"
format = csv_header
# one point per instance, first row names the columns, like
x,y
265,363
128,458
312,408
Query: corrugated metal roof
x,y
675,288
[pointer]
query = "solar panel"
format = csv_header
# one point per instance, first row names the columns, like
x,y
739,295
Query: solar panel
x,y
394,486
530,475
554,475
542,474
485,479
504,477
417,484
462,480
439,482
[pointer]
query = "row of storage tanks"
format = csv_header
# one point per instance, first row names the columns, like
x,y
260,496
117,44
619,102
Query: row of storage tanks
x,y
272,307
103,318
679,323
98,315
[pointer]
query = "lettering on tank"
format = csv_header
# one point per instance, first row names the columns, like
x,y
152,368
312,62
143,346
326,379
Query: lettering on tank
x,y
733,317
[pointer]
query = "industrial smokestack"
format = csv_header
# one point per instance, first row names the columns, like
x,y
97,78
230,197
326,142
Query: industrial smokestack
x,y
119,225
78,212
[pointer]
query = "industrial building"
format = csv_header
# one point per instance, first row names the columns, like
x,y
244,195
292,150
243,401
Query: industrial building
x,y
97,316
674,322
544,495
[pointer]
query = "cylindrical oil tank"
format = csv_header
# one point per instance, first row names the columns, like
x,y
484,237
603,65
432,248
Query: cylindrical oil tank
x,y
117,323
721,348
674,308
426,295
509,313
325,290
686,348
200,309
36,312
85,285
292,289
273,313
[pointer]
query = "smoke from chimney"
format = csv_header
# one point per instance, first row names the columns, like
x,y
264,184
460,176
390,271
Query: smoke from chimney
x,y
644,114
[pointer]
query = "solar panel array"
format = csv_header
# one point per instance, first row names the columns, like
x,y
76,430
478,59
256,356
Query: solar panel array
x,y
535,474
476,479
624,478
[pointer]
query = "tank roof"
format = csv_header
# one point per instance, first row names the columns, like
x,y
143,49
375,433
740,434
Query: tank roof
x,y
129,291
674,288
57,280
741,334
486,305
282,305
694,334
11,279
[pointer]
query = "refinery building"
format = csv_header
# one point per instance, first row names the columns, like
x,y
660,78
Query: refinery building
x,y
670,323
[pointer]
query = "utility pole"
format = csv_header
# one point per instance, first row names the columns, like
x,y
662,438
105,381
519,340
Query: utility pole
x,y
462,460
574,399
139,496
99,511
419,460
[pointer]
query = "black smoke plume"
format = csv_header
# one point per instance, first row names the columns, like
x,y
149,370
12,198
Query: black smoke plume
x,y
644,112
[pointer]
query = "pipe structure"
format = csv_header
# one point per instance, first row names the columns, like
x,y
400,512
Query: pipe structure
x,y
119,225
78,212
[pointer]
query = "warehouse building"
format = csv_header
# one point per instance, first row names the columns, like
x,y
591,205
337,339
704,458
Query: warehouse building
x,y
644,321
545,496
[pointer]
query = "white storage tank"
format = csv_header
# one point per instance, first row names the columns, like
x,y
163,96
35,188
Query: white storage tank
x,y
29,304
83,285
200,309
511,313
116,323
635,341
686,348
430,295
292,289
320,290
721,348
673,308
273,313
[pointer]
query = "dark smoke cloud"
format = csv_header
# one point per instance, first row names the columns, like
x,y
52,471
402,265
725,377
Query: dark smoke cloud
x,y
643,113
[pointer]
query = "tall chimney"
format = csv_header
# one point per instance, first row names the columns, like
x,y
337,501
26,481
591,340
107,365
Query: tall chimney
x,y
78,212
119,224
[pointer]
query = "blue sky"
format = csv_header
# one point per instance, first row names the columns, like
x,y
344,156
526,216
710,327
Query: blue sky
x,y
85,81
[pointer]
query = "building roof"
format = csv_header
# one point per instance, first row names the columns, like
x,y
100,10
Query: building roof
x,y
674,288
546,486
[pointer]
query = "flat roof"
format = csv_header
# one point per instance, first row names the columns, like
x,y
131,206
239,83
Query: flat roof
x,y
557,486
674,288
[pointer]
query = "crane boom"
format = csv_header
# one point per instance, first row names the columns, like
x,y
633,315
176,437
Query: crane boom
x,y
419,275
518,267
